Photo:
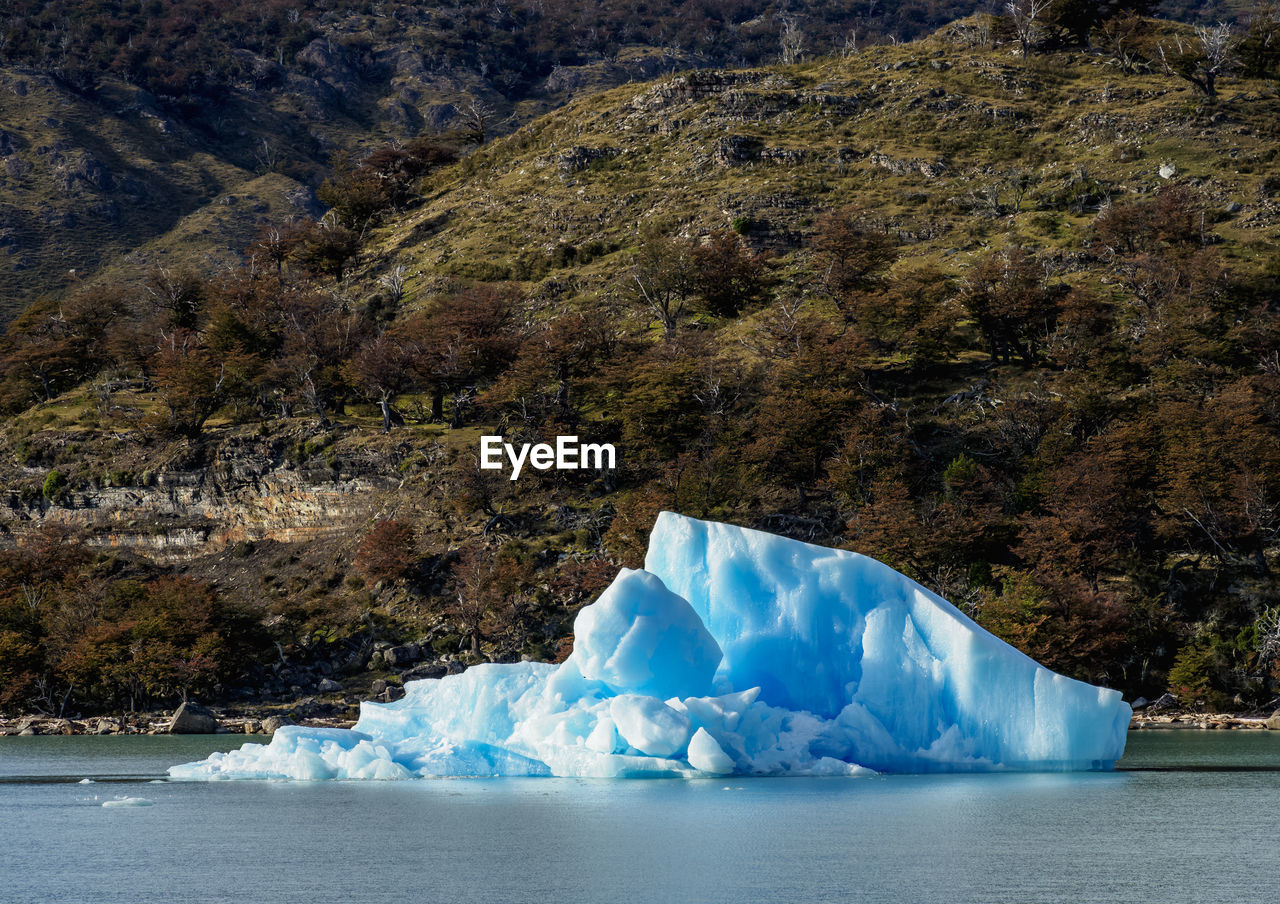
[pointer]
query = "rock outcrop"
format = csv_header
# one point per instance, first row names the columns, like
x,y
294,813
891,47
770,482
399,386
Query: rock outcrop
x,y
246,490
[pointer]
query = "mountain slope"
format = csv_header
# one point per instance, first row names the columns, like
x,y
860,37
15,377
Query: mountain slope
x,y
149,111
950,147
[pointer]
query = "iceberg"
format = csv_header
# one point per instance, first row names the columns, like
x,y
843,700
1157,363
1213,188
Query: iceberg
x,y
734,652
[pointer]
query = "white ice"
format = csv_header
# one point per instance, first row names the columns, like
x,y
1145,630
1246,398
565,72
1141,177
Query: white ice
x,y
734,652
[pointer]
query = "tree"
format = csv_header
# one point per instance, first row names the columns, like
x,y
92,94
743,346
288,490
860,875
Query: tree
x,y
1086,636
912,316
385,179
318,334
658,410
491,595
355,195
1076,19
328,247
178,295
382,368
462,339
57,344
1200,63
1125,38
850,256
159,640
1028,21
554,364
1171,219
277,243
1259,50
727,277
791,41
799,418
192,380
399,170
387,551
1007,293
1094,510
663,278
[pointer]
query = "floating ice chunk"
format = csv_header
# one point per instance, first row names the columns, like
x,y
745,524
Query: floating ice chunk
x,y
736,652
300,754
128,802
705,754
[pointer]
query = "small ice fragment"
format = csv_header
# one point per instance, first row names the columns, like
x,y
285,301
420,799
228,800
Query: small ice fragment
x,y
128,802
86,781
706,755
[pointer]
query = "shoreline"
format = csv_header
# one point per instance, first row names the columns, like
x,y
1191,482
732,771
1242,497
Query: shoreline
x,y
1203,722
244,720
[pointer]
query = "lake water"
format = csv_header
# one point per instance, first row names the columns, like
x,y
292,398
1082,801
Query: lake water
x,y
1196,820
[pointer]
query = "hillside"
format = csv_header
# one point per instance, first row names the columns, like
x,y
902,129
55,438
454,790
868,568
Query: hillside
x,y
1007,324
125,123
119,121
949,147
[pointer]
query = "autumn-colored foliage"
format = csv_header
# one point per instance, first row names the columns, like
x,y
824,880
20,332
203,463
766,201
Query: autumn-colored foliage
x,y
387,551
73,633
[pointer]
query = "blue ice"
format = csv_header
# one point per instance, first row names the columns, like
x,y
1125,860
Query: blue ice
x,y
733,652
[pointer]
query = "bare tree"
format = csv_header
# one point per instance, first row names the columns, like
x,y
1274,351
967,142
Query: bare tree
x,y
850,47
1122,37
478,118
792,40
393,281
1201,65
1026,16
267,154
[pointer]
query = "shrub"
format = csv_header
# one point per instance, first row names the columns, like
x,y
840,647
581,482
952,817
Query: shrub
x,y
387,552
55,486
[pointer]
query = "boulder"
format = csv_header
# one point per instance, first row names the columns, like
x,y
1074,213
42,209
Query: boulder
x,y
392,693
1273,723
328,686
401,656
192,718
426,670
377,687
270,724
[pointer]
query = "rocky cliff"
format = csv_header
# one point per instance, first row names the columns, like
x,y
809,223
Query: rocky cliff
x,y
194,500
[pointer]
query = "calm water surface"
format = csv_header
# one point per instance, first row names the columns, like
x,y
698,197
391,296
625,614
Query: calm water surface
x,y
1197,821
